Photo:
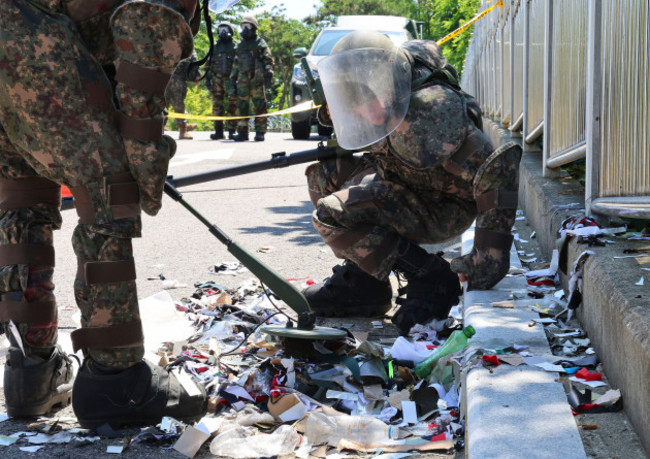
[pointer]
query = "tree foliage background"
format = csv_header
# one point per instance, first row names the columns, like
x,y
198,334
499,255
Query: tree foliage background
x,y
283,35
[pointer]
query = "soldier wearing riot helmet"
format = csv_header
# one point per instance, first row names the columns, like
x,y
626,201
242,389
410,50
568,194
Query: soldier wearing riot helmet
x,y
252,73
428,173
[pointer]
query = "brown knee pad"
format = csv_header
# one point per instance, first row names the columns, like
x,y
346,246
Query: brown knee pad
x,y
105,291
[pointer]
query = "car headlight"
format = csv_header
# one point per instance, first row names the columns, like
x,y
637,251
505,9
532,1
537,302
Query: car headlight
x,y
299,74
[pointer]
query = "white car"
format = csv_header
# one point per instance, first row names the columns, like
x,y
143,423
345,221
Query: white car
x,y
398,29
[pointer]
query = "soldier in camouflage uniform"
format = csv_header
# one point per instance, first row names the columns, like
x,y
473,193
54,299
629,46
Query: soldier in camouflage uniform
x,y
217,76
428,173
251,73
177,90
92,55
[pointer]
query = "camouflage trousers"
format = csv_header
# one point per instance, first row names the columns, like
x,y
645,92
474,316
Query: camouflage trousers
x,y
57,124
223,102
361,215
251,90
175,96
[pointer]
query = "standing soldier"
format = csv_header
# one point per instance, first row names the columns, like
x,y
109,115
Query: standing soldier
x,y
251,72
65,64
218,80
177,90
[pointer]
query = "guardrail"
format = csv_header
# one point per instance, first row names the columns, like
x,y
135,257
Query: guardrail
x,y
573,72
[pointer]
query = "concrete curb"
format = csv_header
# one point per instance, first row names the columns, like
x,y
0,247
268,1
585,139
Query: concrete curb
x,y
513,412
614,310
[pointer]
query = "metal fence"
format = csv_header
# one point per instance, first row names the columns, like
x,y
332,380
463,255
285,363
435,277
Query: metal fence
x,y
575,73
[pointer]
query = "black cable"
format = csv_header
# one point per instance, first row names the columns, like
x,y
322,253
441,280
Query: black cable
x,y
246,337
275,305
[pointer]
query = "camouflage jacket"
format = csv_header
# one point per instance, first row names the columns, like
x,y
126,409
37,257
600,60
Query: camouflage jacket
x,y
253,59
441,125
223,57
184,73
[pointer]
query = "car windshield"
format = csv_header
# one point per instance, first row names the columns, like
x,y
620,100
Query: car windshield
x,y
329,38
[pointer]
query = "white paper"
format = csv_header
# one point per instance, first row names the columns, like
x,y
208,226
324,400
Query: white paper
x,y
409,412
585,231
640,281
239,391
337,394
16,333
550,367
588,383
403,349
114,449
161,321
30,449
209,424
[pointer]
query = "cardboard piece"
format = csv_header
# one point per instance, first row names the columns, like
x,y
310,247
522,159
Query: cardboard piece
x,y
443,445
190,441
287,407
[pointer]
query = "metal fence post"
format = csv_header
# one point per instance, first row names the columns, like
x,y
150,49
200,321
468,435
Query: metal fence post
x,y
594,82
548,72
524,105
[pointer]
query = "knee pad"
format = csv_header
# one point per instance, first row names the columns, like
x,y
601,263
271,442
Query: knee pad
x,y
151,38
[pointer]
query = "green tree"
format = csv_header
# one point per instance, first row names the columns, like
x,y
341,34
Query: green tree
x,y
333,8
440,17
283,35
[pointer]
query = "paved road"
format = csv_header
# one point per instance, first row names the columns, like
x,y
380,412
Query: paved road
x,y
262,209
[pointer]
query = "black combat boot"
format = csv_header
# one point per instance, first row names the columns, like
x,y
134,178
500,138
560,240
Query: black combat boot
x,y
350,292
231,134
259,137
218,131
139,395
34,385
242,135
432,289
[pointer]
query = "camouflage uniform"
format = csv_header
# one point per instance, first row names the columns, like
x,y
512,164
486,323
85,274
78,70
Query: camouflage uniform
x,y
253,63
426,182
92,55
219,83
177,88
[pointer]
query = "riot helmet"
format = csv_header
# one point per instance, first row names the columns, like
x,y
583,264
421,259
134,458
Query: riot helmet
x,y
367,85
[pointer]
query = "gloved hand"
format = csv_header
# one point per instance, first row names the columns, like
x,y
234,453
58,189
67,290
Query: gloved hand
x,y
233,88
268,81
483,268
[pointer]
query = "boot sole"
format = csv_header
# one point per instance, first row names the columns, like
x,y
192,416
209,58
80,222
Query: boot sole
x,y
117,423
61,400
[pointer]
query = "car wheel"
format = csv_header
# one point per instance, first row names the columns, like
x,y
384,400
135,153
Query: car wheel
x,y
325,131
301,130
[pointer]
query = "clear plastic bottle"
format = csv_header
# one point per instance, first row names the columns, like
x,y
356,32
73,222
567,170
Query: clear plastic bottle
x,y
456,342
321,428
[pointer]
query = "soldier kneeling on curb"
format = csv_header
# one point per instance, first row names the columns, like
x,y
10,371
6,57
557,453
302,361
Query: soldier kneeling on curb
x,y
428,172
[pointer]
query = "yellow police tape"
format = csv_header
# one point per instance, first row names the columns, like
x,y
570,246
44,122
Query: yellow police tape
x,y
459,30
309,105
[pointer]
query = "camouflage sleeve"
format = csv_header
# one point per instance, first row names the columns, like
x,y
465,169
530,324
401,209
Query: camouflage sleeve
x,y
266,58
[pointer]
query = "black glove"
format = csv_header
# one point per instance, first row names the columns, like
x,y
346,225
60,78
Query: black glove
x,y
233,85
268,80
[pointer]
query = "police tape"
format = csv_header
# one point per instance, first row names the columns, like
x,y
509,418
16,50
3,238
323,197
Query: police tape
x,y
305,106
459,30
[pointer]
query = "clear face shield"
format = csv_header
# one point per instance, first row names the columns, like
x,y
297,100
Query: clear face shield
x,y
367,91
